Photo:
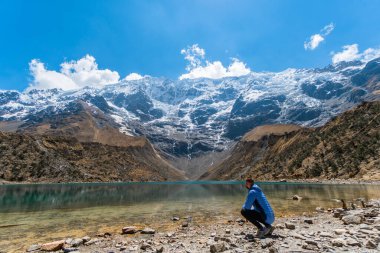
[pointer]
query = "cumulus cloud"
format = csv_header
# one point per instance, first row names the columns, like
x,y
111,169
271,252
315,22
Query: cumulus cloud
x,y
198,67
194,55
85,72
133,76
46,79
74,75
317,38
351,53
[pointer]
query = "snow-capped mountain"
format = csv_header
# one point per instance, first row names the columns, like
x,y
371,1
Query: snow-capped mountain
x,y
190,117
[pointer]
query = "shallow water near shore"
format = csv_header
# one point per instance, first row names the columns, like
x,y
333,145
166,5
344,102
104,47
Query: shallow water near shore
x,y
38,213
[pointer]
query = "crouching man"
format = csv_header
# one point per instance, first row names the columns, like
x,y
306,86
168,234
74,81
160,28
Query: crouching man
x,y
257,209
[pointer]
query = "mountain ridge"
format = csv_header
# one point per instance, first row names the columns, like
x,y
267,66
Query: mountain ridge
x,y
193,121
348,146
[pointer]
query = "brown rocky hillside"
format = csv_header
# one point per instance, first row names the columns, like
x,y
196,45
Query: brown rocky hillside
x,y
79,144
346,147
34,158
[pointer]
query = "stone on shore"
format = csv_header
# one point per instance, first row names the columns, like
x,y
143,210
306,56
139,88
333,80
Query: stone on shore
x,y
352,242
52,246
218,247
296,197
338,242
34,248
148,231
308,221
289,225
145,246
86,239
91,241
371,245
160,249
129,230
320,209
352,219
340,231
69,250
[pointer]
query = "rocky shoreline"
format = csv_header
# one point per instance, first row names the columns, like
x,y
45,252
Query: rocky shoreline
x,y
353,229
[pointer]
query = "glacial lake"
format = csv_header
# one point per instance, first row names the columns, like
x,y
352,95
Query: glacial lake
x,y
38,213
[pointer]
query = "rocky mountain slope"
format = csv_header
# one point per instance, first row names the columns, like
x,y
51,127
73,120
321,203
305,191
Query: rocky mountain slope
x,y
46,158
346,147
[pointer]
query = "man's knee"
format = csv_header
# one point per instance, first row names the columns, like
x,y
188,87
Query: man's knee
x,y
243,212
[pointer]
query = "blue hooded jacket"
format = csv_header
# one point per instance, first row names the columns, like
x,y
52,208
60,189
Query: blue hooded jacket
x,y
256,199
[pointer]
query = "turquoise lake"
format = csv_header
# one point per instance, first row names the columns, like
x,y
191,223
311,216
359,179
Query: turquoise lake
x,y
41,212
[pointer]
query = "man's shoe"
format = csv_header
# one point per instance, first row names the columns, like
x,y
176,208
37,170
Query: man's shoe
x,y
269,230
261,233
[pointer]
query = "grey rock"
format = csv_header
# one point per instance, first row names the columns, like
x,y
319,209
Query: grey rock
x,y
149,231
219,247
67,250
289,225
160,249
86,239
76,242
92,241
310,247
266,243
298,236
311,242
308,221
325,234
352,219
145,246
273,250
320,209
338,242
129,230
352,242
296,197
371,245
339,231
33,248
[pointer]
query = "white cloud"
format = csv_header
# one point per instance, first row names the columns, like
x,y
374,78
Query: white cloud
x,y
74,75
46,79
198,67
195,55
85,72
351,53
327,29
133,76
314,42
317,38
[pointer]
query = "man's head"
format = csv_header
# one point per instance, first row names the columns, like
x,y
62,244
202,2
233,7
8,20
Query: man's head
x,y
249,183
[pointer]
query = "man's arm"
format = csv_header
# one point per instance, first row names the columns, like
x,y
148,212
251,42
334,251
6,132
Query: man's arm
x,y
249,201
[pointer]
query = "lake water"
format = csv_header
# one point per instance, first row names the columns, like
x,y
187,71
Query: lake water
x,y
39,213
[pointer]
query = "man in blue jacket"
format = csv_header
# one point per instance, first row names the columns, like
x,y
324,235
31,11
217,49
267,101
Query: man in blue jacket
x,y
257,209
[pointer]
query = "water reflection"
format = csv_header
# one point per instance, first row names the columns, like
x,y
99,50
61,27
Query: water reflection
x,y
31,198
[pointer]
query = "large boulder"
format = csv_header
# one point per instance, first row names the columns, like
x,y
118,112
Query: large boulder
x,y
352,219
53,246
129,230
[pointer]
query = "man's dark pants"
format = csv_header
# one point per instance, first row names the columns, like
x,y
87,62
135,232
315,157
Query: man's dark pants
x,y
255,217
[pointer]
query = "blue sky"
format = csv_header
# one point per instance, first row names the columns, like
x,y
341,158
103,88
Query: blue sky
x,y
147,37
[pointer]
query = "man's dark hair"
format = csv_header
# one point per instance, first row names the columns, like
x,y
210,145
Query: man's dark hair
x,y
250,180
